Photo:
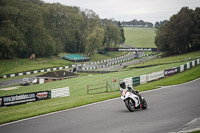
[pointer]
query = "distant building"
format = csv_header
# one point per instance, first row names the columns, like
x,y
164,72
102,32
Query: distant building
x,y
55,76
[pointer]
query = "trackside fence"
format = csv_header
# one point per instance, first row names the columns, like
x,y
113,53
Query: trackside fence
x,y
143,79
109,86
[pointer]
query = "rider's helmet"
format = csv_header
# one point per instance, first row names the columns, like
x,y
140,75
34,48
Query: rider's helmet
x,y
122,85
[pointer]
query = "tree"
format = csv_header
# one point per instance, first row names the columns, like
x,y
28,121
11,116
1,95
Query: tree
x,y
195,37
112,34
32,26
94,41
7,47
175,36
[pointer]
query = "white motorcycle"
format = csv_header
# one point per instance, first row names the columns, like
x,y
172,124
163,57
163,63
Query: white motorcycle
x,y
133,101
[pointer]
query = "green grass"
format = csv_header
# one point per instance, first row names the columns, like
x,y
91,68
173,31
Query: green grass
x,y
140,37
22,65
183,77
78,85
78,90
78,95
109,55
195,132
177,60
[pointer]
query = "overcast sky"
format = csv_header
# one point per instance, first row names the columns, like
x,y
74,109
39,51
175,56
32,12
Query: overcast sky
x,y
126,10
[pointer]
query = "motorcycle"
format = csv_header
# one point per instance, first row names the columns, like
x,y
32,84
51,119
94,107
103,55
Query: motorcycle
x,y
133,101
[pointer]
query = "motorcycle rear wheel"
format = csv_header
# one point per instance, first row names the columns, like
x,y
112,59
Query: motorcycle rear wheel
x,y
130,105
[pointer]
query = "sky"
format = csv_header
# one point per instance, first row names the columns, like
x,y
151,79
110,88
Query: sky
x,y
127,10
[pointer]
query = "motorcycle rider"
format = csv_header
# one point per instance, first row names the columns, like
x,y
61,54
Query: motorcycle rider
x,y
123,86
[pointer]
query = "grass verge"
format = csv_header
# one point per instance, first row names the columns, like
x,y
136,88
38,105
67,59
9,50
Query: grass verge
x,y
22,65
140,37
195,132
13,113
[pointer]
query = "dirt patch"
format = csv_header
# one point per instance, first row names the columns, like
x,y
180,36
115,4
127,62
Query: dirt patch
x,y
10,88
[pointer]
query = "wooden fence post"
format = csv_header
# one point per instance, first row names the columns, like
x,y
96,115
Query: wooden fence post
x,y
87,89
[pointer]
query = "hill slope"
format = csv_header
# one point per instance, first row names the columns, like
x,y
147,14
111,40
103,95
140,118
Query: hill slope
x,y
140,37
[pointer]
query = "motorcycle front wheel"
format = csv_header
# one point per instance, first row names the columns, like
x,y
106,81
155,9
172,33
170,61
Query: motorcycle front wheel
x,y
144,104
130,104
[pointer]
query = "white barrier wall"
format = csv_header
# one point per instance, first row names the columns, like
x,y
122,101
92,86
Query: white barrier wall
x,y
60,92
154,76
181,68
198,61
188,65
128,81
143,79
193,63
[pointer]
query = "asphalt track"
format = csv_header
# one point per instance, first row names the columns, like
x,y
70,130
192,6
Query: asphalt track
x,y
170,108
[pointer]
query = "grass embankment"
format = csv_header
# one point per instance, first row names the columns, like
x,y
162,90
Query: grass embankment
x,y
22,65
195,132
180,59
140,37
78,94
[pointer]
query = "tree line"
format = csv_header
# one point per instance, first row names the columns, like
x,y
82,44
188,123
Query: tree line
x,y
137,23
32,26
181,33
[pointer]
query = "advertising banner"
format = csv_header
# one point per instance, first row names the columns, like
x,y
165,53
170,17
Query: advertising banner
x,y
24,98
136,81
132,49
154,76
43,95
1,102
17,99
170,72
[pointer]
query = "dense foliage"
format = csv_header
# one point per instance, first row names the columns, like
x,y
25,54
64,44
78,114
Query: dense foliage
x,y
180,34
159,24
137,23
32,26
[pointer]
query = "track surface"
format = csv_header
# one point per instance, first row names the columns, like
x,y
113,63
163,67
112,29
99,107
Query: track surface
x,y
169,110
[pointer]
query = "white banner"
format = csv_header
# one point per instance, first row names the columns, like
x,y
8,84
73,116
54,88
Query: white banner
x,y
188,65
27,73
193,63
60,92
12,75
154,76
143,79
129,81
181,68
